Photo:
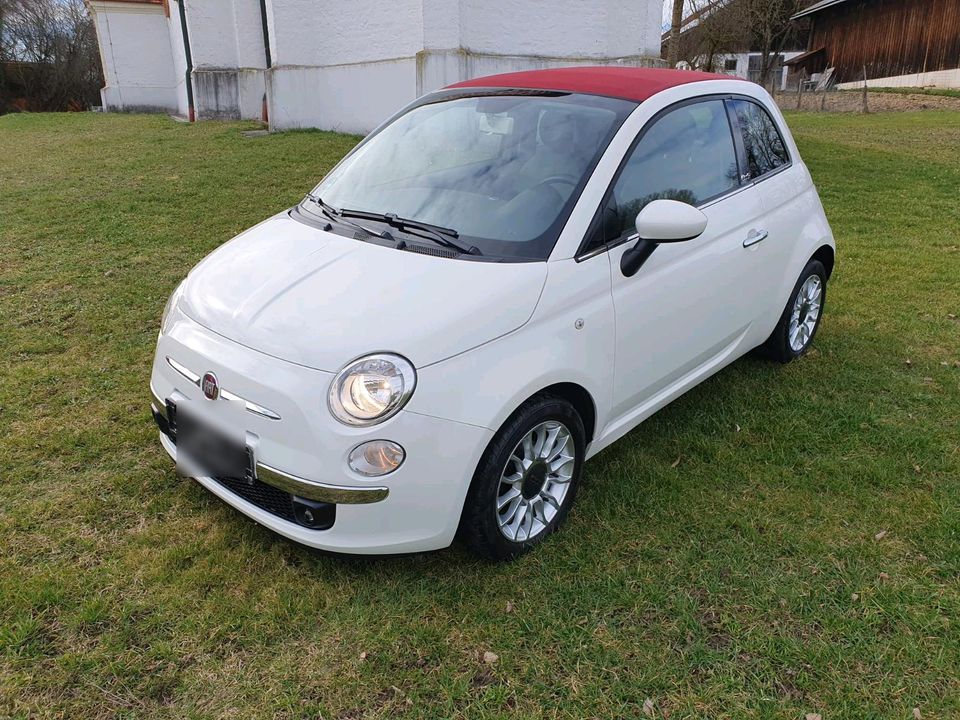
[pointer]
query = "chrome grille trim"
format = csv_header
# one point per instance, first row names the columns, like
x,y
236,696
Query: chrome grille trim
x,y
251,407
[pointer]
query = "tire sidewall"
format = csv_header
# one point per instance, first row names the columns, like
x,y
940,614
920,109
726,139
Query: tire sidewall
x,y
814,267
479,525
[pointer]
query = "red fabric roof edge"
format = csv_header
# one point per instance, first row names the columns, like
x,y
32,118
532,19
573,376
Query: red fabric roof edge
x,y
629,83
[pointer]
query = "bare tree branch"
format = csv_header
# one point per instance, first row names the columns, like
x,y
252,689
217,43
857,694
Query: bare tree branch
x,y
721,27
48,50
676,20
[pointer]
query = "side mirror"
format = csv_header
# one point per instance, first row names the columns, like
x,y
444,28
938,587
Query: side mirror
x,y
670,221
661,221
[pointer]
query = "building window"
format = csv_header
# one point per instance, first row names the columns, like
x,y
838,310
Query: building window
x,y
730,64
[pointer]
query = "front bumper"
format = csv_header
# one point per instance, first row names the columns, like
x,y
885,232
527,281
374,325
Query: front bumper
x,y
300,487
296,447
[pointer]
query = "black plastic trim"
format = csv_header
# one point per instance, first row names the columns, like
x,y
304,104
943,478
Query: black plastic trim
x,y
188,58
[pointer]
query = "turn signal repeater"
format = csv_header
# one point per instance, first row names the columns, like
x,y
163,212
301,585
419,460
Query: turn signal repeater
x,y
376,458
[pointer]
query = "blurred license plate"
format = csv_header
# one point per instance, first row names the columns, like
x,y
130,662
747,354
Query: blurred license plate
x,y
209,450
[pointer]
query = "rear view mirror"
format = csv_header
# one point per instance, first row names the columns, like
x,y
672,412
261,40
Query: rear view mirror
x,y
496,124
670,221
661,221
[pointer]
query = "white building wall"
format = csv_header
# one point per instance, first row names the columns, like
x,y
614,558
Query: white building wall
x,y
229,62
937,79
743,66
348,66
561,28
324,33
507,35
138,64
179,60
341,66
441,24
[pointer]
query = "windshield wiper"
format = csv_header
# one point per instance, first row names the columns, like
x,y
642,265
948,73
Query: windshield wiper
x,y
440,235
336,215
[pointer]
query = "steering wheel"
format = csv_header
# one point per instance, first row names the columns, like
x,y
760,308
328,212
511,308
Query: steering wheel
x,y
566,179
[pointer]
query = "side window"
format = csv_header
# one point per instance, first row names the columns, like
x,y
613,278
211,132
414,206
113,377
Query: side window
x,y
686,155
764,146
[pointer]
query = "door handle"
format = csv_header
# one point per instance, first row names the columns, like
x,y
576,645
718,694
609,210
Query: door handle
x,y
755,236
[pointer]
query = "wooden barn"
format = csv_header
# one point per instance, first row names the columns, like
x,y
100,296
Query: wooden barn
x,y
906,43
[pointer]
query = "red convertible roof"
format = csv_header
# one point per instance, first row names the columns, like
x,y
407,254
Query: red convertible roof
x,y
629,83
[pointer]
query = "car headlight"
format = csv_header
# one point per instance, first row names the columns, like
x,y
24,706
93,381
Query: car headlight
x,y
371,389
171,304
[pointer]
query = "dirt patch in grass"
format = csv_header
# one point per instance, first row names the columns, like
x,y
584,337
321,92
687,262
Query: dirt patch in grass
x,y
852,101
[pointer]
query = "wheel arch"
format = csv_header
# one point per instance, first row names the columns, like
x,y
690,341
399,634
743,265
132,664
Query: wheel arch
x,y
582,401
826,255
573,393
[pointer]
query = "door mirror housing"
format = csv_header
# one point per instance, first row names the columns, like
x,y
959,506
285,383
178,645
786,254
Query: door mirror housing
x,y
661,221
670,221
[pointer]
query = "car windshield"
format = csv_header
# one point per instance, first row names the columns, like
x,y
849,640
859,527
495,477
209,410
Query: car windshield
x,y
503,170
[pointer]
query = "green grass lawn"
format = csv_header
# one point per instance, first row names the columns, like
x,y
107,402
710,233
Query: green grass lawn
x,y
780,541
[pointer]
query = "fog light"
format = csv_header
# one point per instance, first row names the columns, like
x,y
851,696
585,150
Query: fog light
x,y
312,514
377,457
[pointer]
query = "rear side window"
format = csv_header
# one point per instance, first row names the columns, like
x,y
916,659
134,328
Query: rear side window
x,y
764,147
687,155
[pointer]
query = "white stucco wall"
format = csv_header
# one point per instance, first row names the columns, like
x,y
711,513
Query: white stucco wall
x,y
743,65
348,66
138,64
226,45
323,33
346,98
561,28
937,79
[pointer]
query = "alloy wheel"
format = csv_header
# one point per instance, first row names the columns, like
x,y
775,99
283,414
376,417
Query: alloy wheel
x,y
535,481
806,312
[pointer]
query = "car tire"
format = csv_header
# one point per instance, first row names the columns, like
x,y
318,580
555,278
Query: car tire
x,y
526,480
801,317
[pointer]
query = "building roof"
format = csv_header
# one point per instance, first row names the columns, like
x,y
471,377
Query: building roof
x,y
817,7
629,83
804,57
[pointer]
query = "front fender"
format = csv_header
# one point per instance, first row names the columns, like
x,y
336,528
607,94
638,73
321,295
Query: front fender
x,y
569,338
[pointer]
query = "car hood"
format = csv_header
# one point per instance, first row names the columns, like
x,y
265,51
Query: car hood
x,y
319,299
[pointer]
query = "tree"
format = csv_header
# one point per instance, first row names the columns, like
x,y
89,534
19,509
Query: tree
x,y
676,20
718,32
719,27
49,51
769,27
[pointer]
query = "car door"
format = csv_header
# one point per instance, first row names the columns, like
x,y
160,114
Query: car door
x,y
780,186
691,304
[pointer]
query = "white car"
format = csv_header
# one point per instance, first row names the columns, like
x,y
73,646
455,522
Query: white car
x,y
499,282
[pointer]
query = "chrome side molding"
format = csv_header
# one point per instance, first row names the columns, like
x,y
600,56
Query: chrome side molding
x,y
251,407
